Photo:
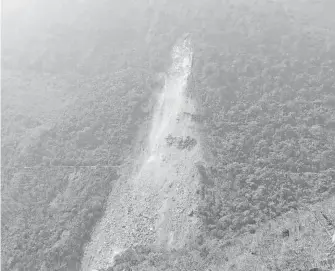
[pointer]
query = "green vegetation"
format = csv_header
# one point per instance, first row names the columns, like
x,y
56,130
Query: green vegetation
x,y
269,116
76,85
266,94
47,216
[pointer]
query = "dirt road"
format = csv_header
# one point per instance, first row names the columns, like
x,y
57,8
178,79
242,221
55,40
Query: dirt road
x,y
155,205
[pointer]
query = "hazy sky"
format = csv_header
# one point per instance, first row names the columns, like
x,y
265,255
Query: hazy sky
x,y
14,5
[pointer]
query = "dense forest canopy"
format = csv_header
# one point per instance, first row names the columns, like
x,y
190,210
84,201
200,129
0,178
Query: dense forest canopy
x,y
78,81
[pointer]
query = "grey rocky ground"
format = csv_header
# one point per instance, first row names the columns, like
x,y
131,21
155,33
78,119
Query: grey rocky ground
x,y
155,205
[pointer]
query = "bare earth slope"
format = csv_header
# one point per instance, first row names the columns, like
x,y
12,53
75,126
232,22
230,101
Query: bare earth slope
x,y
155,205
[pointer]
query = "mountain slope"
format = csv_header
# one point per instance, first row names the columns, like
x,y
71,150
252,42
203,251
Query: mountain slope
x,y
153,207
65,128
80,82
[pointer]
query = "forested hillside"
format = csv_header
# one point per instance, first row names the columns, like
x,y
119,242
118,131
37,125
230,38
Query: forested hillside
x,y
79,80
267,96
263,78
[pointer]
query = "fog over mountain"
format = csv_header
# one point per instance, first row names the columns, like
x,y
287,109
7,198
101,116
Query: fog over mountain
x,y
168,135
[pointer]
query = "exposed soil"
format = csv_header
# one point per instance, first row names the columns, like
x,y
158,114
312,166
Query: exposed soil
x,y
155,206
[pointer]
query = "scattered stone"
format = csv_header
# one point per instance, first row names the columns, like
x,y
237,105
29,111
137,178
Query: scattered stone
x,y
285,233
142,204
180,142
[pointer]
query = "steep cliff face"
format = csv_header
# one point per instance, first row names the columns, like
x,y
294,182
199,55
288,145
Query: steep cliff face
x,y
155,205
